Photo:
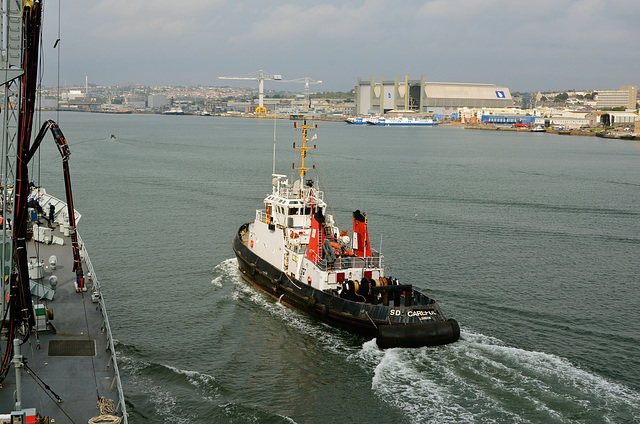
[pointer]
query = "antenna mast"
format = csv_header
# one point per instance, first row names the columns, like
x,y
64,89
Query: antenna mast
x,y
303,149
274,143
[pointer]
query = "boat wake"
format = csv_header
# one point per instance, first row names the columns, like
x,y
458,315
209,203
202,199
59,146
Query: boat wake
x,y
479,379
327,337
170,390
167,388
224,271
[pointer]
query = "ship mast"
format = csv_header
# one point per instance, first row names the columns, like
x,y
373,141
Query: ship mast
x,y
303,149
21,78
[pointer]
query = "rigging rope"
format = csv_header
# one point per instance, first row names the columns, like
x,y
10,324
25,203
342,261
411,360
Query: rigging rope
x,y
47,390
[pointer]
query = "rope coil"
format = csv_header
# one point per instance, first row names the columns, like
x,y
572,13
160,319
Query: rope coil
x,y
105,419
106,407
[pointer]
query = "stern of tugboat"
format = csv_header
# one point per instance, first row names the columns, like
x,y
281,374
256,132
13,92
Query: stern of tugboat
x,y
434,333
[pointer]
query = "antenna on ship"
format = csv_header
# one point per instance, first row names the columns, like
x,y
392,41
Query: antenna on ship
x,y
303,149
274,144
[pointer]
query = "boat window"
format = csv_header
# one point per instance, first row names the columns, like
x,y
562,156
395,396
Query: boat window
x,y
307,210
293,211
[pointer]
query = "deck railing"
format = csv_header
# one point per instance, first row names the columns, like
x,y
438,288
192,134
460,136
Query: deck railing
x,y
346,262
121,403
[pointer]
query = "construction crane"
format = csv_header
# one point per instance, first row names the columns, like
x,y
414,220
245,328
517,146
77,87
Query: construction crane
x,y
306,81
260,110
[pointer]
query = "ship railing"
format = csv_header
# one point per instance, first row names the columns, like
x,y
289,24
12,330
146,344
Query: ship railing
x,y
96,289
261,216
345,262
288,192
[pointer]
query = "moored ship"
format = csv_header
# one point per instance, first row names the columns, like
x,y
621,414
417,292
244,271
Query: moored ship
x,y
357,120
403,121
174,111
58,356
295,252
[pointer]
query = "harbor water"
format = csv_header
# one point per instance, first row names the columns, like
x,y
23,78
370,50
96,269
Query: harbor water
x,y
531,241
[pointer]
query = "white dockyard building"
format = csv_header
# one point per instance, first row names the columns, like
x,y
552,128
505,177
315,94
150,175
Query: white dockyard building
x,y
420,96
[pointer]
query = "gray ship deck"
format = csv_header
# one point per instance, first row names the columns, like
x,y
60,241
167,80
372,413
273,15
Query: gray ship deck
x,y
74,356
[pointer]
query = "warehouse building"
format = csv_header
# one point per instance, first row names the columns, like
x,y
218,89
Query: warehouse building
x,y
617,119
424,97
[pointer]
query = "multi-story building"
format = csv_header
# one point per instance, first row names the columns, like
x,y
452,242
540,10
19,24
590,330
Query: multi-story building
x,y
156,101
626,96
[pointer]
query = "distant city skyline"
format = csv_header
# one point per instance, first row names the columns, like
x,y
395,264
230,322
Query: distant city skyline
x,y
543,46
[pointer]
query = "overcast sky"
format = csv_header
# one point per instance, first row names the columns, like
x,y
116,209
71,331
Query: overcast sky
x,y
523,45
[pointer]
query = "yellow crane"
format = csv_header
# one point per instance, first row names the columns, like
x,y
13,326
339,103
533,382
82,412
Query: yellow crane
x,y
260,110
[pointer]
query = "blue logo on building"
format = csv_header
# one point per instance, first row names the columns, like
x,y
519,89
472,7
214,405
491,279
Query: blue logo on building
x,y
500,94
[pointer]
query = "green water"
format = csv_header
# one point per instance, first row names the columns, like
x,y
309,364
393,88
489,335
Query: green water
x,y
530,241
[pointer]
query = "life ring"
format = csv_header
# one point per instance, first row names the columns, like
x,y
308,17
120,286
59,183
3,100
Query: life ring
x,y
309,280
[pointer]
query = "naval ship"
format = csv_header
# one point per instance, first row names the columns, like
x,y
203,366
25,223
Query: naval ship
x,y
294,251
58,357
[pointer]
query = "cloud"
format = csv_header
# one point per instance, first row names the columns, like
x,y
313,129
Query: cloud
x,y
124,20
293,22
543,44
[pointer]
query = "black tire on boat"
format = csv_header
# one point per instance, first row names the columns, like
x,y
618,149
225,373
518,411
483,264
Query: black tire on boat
x,y
418,335
311,302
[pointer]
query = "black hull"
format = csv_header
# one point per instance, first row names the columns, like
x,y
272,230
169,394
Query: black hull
x,y
392,326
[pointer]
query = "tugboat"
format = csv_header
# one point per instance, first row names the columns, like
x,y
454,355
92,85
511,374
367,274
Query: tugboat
x,y
295,252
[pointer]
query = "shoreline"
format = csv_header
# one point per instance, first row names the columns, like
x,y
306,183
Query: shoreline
x,y
591,132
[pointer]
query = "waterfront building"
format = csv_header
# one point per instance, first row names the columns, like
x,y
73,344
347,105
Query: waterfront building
x,y
156,101
617,119
72,95
530,117
80,103
626,96
424,97
488,115
569,119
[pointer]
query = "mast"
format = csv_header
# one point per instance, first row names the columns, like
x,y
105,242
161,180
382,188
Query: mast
x,y
303,149
11,71
274,144
16,148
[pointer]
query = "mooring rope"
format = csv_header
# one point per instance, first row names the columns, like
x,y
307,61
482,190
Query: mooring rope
x,y
107,408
